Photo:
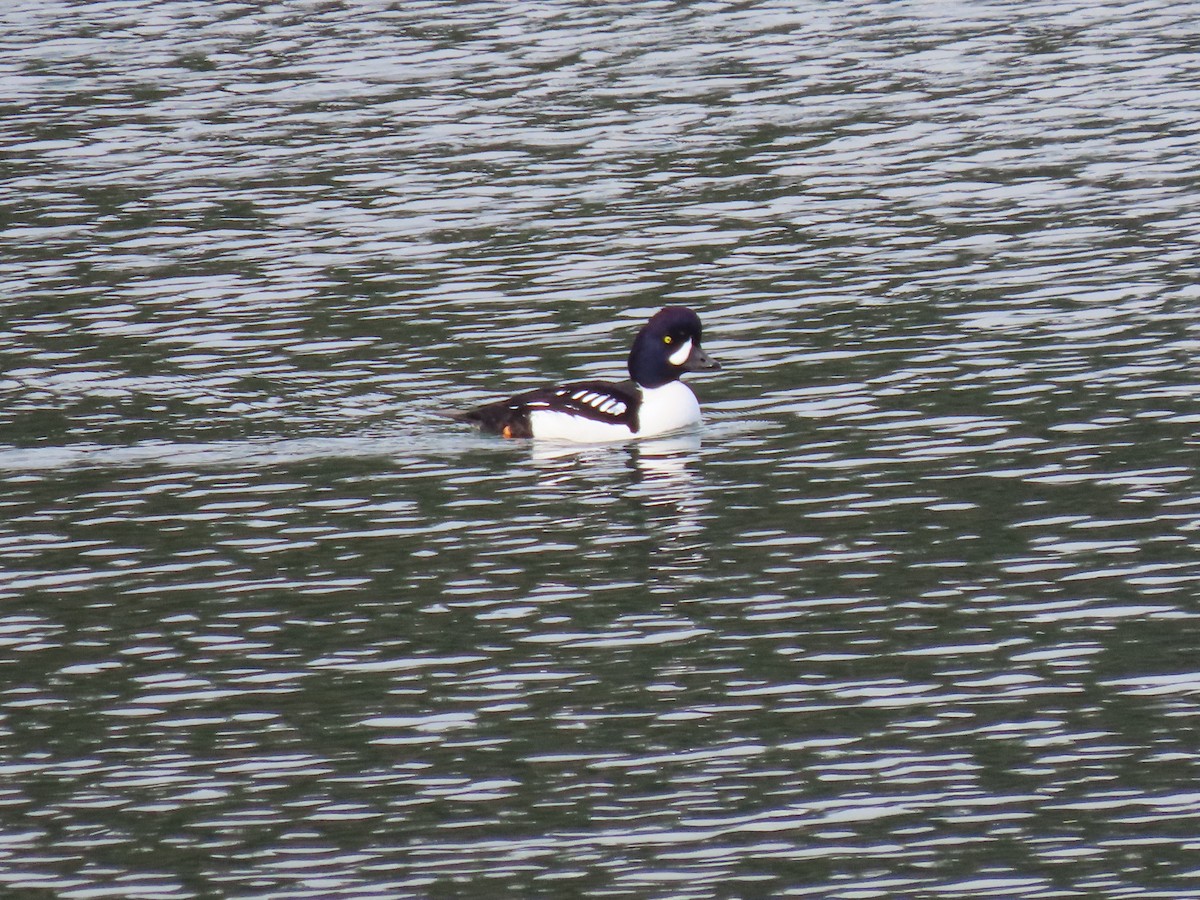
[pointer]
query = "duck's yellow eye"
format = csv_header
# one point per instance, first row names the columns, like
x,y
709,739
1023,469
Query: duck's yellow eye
x,y
667,339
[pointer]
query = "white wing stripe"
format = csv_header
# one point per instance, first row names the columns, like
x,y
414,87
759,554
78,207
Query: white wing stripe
x,y
597,400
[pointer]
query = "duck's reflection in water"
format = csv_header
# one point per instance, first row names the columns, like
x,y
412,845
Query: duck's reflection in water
x,y
656,486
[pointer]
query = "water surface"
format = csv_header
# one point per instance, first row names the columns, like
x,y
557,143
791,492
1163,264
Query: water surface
x,y
912,616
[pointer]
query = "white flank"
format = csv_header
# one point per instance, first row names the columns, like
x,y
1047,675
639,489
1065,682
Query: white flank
x,y
553,425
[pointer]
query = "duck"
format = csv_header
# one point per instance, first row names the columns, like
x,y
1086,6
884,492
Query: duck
x,y
654,401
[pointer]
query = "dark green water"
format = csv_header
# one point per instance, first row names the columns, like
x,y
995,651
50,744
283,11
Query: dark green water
x,y
913,615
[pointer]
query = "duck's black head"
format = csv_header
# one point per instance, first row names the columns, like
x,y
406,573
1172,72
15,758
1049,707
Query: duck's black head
x,y
667,346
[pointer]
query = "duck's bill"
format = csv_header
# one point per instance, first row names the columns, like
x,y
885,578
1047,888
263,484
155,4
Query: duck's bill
x,y
698,359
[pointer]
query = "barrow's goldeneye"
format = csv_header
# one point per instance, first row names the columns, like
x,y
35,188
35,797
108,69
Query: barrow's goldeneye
x,y
653,402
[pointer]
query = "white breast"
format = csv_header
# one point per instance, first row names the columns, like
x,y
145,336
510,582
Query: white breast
x,y
668,408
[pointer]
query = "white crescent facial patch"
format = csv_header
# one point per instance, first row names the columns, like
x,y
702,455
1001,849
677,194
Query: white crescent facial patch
x,y
679,357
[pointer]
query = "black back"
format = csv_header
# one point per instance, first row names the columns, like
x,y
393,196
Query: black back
x,y
600,401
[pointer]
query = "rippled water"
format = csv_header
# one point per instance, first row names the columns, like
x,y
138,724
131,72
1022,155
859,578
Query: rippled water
x,y
913,615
